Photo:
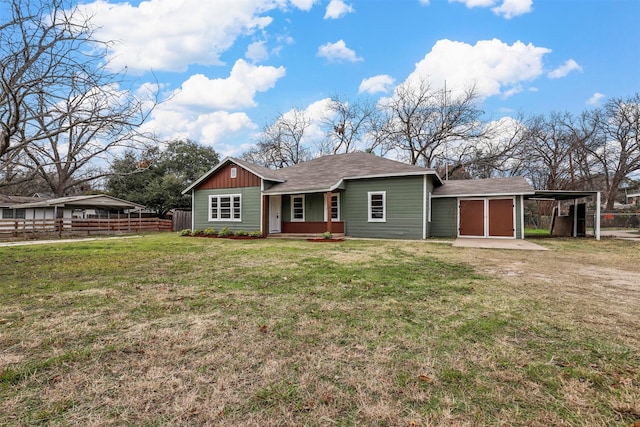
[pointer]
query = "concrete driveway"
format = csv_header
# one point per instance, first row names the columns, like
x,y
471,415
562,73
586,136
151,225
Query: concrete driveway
x,y
469,242
621,234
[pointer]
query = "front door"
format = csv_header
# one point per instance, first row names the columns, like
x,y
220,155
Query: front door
x,y
275,214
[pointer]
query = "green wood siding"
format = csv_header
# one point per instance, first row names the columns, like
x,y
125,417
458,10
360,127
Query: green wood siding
x,y
250,209
404,208
313,207
444,217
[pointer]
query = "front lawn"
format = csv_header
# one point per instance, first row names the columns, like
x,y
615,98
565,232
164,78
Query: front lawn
x,y
168,330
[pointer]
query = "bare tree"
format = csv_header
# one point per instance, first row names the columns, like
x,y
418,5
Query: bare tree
x,y
615,145
61,109
349,126
421,120
547,152
495,154
281,143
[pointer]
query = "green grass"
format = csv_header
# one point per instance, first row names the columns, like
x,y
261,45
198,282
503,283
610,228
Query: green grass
x,y
537,232
167,330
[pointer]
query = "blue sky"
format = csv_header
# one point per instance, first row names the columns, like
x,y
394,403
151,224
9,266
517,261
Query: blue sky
x,y
228,67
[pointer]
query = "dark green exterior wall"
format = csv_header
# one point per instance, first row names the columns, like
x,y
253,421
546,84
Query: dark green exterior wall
x,y
313,207
250,209
404,208
444,217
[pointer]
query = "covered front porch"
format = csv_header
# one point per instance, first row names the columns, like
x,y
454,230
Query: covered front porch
x,y
303,214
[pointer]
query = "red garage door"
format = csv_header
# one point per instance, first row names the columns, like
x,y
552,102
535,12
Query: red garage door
x,y
472,218
501,218
498,222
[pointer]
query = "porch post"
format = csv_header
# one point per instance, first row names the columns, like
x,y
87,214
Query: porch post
x,y
329,194
596,225
263,208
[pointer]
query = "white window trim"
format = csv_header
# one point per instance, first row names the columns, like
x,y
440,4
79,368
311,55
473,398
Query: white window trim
x,y
303,208
337,195
384,206
234,172
232,197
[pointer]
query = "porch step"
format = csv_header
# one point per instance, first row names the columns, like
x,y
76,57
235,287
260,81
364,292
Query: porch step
x,y
303,235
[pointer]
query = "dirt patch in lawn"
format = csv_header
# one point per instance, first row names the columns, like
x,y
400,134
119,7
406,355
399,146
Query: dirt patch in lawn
x,y
584,285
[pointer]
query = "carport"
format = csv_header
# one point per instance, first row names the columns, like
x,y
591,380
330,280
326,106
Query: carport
x,y
560,196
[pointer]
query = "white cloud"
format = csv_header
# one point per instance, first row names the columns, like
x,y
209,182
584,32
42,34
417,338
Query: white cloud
x,y
169,35
235,92
376,84
202,108
510,8
305,5
564,69
337,9
595,98
338,52
507,9
495,67
257,52
425,2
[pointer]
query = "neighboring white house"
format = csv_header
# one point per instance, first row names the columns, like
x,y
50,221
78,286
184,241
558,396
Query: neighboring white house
x,y
633,198
92,206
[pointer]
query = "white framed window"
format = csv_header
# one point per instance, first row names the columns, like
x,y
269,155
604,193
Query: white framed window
x,y
335,207
225,207
13,213
234,172
377,206
297,208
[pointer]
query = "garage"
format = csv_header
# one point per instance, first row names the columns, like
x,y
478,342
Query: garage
x,y
487,217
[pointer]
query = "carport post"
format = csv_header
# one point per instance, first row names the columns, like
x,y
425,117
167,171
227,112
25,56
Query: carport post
x,y
596,227
575,218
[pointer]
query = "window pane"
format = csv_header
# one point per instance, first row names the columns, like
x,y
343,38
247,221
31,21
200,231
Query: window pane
x,y
214,208
236,208
334,207
377,206
225,207
298,208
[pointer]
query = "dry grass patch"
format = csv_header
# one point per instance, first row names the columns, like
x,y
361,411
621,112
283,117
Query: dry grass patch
x,y
266,333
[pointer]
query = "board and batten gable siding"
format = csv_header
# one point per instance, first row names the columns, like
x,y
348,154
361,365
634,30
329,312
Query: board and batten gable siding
x,y
404,207
222,179
444,217
250,213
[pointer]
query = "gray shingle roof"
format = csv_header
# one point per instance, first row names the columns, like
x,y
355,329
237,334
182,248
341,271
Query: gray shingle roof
x,y
327,173
94,200
7,200
484,187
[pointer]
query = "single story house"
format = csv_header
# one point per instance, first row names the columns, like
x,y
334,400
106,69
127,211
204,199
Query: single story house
x,y
358,195
85,207
7,202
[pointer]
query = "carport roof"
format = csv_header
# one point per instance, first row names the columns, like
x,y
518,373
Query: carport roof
x,y
560,195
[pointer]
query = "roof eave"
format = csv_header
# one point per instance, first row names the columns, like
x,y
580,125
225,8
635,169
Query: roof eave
x,y
515,193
